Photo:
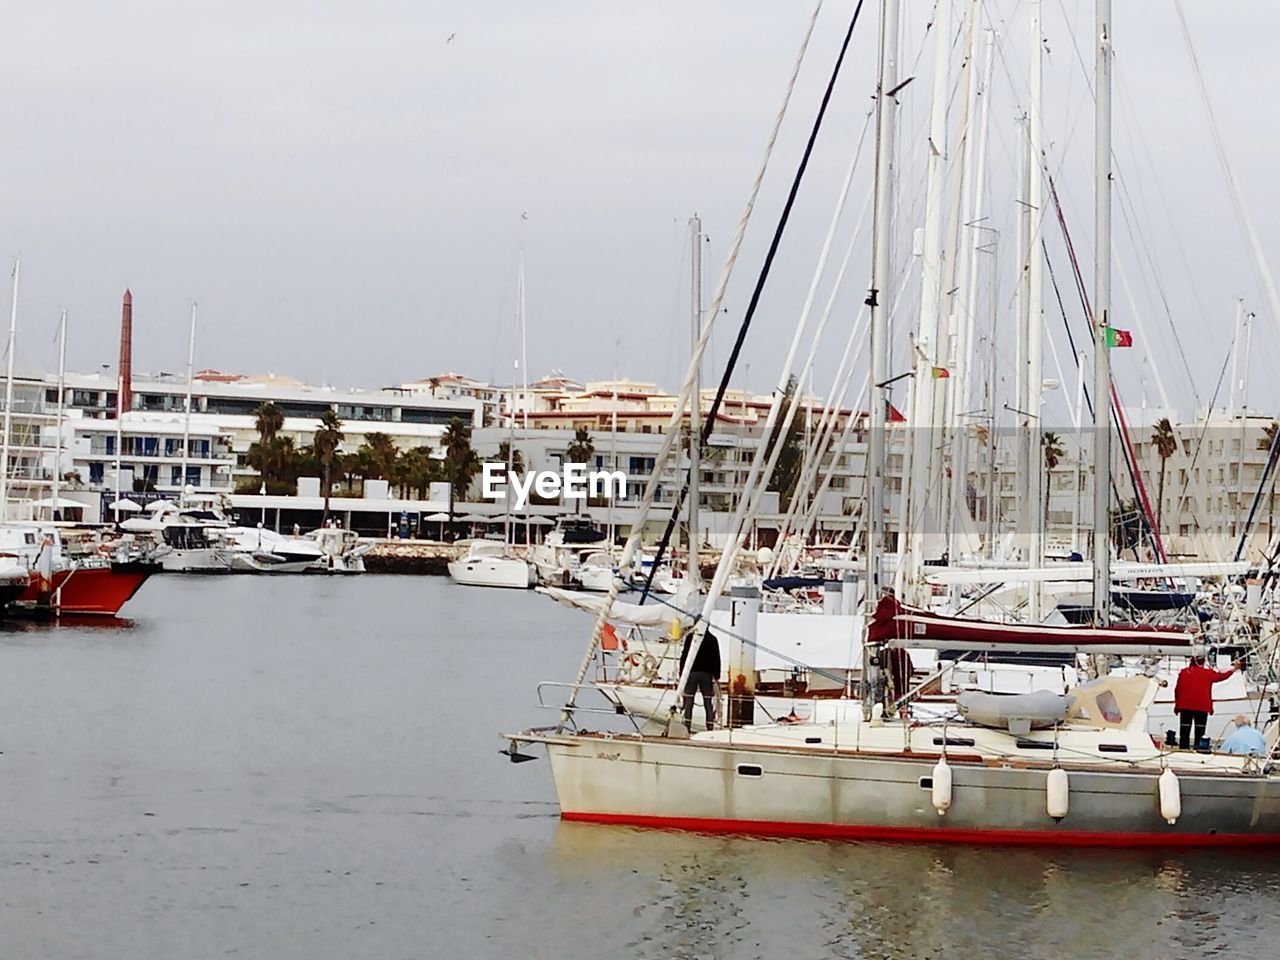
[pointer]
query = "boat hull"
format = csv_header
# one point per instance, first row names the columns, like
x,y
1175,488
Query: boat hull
x,y
492,572
95,591
683,784
199,560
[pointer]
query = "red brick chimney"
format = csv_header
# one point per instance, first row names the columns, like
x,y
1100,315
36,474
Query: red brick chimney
x,y
124,396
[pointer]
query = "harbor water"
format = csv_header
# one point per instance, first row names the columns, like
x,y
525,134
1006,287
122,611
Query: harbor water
x,y
307,767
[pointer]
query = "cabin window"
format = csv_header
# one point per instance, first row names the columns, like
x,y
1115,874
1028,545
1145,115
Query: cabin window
x,y
926,783
1113,748
1109,707
750,770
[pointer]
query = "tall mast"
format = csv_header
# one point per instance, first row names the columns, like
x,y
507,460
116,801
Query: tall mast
x,y
929,350
524,353
879,296
695,404
186,427
62,386
1101,322
1035,478
8,394
124,384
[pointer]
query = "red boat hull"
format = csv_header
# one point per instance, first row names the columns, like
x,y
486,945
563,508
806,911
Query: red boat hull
x,y
99,591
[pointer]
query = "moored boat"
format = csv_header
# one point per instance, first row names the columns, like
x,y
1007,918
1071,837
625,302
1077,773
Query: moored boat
x,y
487,563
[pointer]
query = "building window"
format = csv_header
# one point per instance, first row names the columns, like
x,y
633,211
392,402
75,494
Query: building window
x,y
175,476
111,445
95,472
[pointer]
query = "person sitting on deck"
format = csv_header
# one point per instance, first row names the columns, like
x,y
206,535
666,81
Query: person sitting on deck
x,y
1246,740
703,677
1193,699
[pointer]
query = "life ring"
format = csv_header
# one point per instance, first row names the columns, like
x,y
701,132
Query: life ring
x,y
638,666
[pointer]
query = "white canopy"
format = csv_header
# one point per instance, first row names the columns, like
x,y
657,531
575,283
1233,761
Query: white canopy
x,y
126,505
650,615
58,504
155,506
436,517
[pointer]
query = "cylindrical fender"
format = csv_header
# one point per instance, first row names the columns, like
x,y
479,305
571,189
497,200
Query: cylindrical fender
x,y
941,793
1170,796
1057,793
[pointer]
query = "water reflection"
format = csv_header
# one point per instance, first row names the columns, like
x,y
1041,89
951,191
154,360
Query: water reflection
x,y
697,895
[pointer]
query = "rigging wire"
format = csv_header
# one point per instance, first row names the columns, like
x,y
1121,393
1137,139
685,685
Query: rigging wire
x,y
754,302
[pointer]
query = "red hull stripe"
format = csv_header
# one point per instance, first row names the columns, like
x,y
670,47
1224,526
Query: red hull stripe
x,y
850,831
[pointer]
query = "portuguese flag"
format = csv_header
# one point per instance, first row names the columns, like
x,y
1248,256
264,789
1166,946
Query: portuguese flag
x,y
941,373
1118,338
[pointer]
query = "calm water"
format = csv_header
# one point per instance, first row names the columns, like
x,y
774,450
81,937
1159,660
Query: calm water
x,y
307,767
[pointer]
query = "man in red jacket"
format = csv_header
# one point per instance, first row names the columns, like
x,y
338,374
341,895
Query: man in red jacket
x,y
1193,699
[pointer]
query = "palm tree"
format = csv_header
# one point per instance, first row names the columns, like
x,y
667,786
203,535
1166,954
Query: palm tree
x,y
382,453
1053,454
1165,442
268,421
415,469
326,443
514,456
460,461
583,447
581,450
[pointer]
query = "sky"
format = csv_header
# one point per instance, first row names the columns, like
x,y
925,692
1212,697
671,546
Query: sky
x,y
345,188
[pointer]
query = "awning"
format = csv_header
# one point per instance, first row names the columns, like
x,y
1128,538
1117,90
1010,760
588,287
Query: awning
x,y
59,504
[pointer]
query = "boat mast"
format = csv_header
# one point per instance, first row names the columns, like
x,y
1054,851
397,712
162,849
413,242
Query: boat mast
x,y
1035,479
62,385
929,350
186,427
8,394
879,296
1101,321
695,403
524,353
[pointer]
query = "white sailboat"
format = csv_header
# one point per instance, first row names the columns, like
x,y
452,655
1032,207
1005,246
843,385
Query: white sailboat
x,y
1078,768
487,563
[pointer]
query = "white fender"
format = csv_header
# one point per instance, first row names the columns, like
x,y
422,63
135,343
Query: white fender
x,y
1057,793
941,794
1170,796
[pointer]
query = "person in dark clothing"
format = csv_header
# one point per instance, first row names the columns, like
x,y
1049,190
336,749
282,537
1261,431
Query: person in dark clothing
x,y
897,661
1193,699
702,678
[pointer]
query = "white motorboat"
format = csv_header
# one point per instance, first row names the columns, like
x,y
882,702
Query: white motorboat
x,y
258,550
186,541
489,563
597,572
342,550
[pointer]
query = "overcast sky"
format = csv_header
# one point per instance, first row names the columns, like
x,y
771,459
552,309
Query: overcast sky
x,y
340,185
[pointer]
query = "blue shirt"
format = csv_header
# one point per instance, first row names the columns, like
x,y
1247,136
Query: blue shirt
x,y
1245,740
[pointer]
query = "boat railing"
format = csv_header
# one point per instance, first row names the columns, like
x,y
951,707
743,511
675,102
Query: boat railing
x,y
615,708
